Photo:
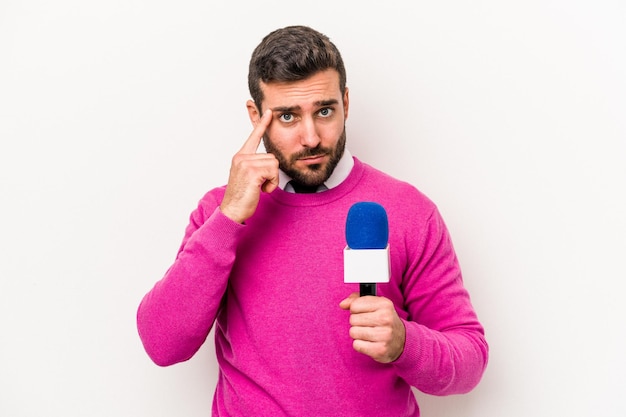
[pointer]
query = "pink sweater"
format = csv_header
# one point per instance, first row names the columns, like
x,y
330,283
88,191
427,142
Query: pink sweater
x,y
273,286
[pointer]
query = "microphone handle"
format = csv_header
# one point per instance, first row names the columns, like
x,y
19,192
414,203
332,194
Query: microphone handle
x,y
367,288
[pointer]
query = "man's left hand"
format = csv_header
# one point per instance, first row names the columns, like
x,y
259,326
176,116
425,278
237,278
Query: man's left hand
x,y
376,328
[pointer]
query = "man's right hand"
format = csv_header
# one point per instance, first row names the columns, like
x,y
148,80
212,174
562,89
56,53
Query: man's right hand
x,y
250,173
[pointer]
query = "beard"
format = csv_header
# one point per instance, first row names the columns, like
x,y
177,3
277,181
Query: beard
x,y
312,175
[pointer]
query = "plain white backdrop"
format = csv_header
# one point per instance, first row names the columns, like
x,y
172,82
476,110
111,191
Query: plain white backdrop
x,y
117,116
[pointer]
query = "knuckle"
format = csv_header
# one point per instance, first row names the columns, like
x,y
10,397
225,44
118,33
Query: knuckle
x,y
386,320
238,160
386,334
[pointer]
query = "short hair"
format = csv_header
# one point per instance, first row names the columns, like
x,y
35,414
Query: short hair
x,y
292,53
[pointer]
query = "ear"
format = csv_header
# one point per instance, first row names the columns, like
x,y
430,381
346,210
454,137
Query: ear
x,y
253,112
346,104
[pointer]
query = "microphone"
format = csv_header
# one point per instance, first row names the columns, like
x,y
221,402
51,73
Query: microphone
x,y
366,256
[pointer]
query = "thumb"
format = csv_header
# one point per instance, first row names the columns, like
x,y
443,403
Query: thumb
x,y
345,304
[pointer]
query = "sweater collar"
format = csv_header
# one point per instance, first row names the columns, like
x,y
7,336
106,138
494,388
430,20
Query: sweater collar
x,y
344,187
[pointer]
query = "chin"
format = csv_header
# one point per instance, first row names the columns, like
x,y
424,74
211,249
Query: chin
x,y
315,175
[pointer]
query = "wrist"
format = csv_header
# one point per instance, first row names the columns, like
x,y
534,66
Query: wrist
x,y
231,214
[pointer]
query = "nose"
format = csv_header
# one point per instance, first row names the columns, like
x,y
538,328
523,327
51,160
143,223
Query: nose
x,y
309,136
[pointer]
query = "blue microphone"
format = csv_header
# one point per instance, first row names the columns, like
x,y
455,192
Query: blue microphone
x,y
366,256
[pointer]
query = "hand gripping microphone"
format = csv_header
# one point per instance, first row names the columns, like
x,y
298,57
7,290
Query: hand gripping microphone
x,y
366,256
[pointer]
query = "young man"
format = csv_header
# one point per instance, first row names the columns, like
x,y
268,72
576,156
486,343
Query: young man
x,y
265,265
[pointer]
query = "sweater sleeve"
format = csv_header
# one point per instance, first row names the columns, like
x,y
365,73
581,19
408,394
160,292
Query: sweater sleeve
x,y
445,349
176,315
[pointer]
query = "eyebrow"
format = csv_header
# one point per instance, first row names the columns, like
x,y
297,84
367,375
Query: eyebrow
x,y
321,103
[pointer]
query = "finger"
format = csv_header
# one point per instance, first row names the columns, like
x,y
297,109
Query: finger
x,y
366,304
374,350
254,140
373,319
269,186
368,334
362,346
262,169
271,183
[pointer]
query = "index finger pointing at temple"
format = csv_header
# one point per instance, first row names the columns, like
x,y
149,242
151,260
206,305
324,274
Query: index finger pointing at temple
x,y
252,143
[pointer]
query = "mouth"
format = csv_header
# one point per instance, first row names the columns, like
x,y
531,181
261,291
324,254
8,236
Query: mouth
x,y
313,159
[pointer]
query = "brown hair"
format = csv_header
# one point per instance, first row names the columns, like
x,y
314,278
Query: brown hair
x,y
292,53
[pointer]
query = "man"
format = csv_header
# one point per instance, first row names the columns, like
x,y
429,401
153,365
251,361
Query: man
x,y
265,265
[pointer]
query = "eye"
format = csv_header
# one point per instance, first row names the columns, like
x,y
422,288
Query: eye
x,y
286,118
325,112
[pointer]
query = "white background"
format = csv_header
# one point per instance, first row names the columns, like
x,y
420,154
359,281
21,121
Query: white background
x,y
116,117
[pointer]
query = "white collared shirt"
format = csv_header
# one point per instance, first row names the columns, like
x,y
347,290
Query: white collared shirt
x,y
341,172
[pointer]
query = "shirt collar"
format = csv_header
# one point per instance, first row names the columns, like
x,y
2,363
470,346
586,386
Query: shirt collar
x,y
341,172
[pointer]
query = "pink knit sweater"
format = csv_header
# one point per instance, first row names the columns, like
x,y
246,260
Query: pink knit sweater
x,y
272,288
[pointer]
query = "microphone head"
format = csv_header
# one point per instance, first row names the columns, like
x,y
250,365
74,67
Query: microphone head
x,y
367,226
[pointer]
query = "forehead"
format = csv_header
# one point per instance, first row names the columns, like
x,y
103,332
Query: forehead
x,y
322,86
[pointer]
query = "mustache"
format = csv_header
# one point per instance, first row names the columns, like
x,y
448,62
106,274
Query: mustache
x,y
308,152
